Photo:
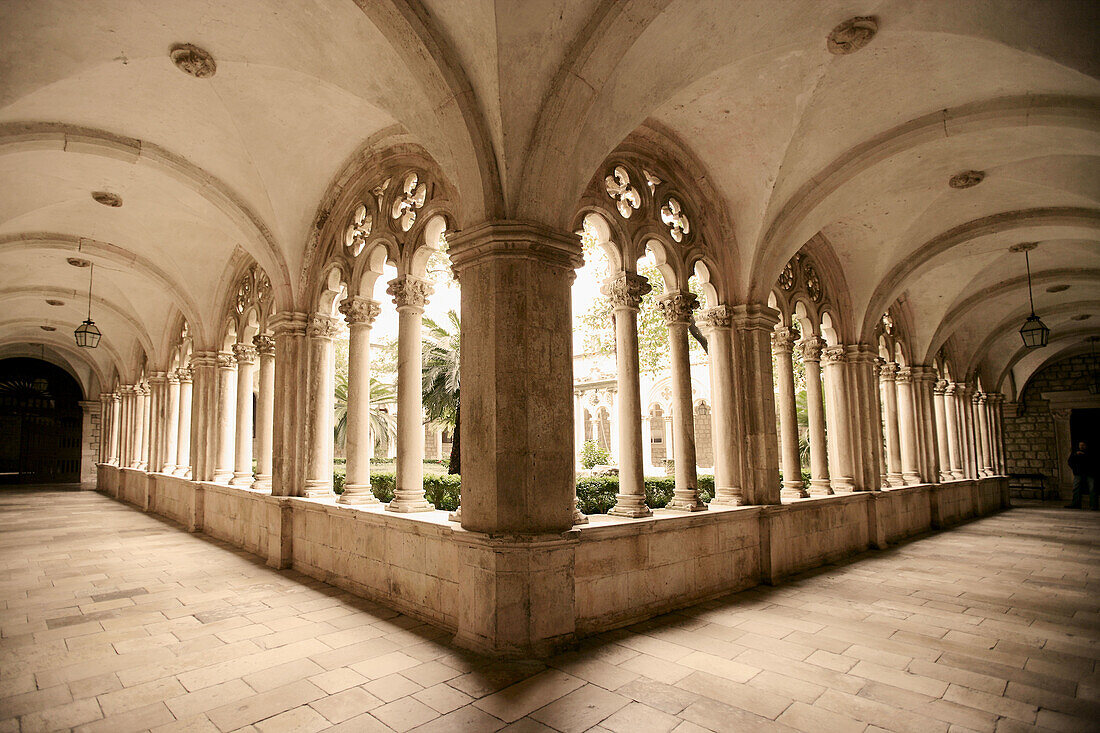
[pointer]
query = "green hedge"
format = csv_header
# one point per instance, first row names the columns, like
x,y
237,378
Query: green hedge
x,y
595,494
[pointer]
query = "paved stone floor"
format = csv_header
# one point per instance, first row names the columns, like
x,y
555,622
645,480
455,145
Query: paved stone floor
x,y
115,620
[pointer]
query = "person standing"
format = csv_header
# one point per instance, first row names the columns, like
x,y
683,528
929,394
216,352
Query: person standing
x,y
1084,467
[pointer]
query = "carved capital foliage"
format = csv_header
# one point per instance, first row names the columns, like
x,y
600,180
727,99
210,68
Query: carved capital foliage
x,y
905,375
185,374
811,348
173,377
244,353
940,387
265,345
951,388
783,341
408,291
360,310
876,365
717,317
834,355
889,371
677,307
225,360
324,327
626,289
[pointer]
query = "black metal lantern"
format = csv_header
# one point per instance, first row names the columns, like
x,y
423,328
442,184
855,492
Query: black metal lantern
x,y
1034,332
87,335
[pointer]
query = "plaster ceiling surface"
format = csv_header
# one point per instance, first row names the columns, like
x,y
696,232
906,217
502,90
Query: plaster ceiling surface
x,y
520,102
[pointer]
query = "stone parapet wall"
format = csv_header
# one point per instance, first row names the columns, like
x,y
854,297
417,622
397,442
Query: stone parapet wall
x,y
606,574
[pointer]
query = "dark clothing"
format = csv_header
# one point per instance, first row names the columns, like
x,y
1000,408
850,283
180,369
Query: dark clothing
x,y
1085,480
1079,463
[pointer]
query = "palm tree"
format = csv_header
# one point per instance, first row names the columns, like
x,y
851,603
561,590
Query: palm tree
x,y
440,379
380,423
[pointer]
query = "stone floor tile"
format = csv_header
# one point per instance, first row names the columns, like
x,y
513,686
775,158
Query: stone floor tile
x,y
638,717
404,714
876,713
784,686
664,697
762,703
430,673
598,672
443,698
261,706
31,702
1007,707
716,716
522,698
302,719
829,660
60,717
391,687
580,709
131,721
489,678
464,720
337,680
898,678
138,696
197,724
527,725
195,703
657,669
810,719
282,674
346,704
719,667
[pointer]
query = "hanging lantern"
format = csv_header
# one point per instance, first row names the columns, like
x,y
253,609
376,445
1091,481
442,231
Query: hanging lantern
x,y
87,335
1034,332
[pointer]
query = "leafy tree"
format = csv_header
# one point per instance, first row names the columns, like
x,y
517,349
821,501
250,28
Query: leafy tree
x,y
593,454
380,422
441,379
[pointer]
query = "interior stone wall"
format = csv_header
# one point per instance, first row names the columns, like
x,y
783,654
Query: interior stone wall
x,y
1031,435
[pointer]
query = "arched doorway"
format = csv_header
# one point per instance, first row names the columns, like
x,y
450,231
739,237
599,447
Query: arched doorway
x,y
40,423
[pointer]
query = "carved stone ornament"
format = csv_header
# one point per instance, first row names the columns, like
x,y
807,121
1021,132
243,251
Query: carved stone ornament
x,y
624,195
782,341
360,310
833,355
966,179
252,289
244,353
673,216
940,386
717,317
409,291
626,289
193,60
888,323
107,198
244,292
265,345
810,348
651,180
876,366
379,192
889,371
677,307
852,35
185,374
786,278
355,237
325,327
409,201
813,282
224,360
904,374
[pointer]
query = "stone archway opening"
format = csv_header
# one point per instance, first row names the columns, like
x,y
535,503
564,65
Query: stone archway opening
x,y
40,423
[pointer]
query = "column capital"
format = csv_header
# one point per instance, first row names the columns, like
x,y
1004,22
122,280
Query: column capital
x,y
173,377
265,345
185,374
360,310
244,354
940,387
782,341
753,317
676,306
158,378
834,355
322,327
409,291
288,322
720,316
889,371
225,360
950,388
115,397
905,374
810,348
514,239
626,289
104,396
876,366
204,359
142,389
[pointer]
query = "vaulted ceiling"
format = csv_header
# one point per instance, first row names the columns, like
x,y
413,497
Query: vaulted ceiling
x,y
520,102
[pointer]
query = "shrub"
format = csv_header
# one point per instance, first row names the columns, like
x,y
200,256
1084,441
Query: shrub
x,y
592,454
382,485
658,491
443,491
596,494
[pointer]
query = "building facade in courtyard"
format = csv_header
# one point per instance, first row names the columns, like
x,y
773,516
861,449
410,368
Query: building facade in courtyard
x,y
872,198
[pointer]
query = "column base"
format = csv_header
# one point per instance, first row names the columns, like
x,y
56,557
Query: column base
x,y
578,516
728,496
911,478
895,480
946,476
842,485
689,503
629,505
181,471
357,495
317,491
793,490
262,482
242,479
222,477
169,469
404,506
958,475
820,487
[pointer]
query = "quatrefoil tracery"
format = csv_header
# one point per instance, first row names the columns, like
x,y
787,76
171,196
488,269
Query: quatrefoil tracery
x,y
355,238
624,195
412,197
673,216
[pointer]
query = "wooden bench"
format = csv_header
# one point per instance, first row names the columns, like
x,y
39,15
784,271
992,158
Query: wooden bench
x,y
1026,485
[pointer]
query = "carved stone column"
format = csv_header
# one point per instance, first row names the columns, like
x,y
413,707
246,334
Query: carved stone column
x,y
157,384
410,294
866,417
923,382
942,439
907,424
359,314
954,448
578,424
114,442
104,425
290,446
625,291
205,372
811,348
171,422
727,460
752,328
676,307
985,467
141,428
322,377
265,410
613,424
838,415
225,416
782,342
242,463
968,432
997,422
893,433
183,434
